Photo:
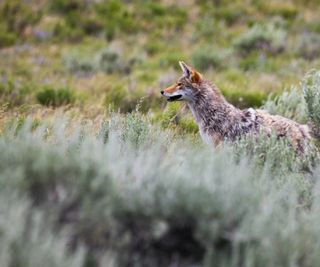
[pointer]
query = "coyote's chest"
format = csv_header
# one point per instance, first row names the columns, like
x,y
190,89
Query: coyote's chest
x,y
208,135
210,138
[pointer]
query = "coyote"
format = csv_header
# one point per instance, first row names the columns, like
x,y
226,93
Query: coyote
x,y
220,121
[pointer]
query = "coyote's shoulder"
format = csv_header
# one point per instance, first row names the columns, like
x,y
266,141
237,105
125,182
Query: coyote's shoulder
x,y
218,120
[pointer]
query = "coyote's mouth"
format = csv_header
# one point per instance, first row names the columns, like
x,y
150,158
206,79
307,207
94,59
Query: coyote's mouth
x,y
174,98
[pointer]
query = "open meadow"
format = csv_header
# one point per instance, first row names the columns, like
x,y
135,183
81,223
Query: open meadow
x,y
98,170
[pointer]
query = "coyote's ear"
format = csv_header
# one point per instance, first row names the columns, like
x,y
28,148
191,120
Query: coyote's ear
x,y
196,77
187,71
190,73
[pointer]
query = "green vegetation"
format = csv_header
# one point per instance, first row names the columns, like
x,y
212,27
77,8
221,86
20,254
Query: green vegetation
x,y
98,170
290,104
208,57
140,41
14,93
15,19
309,45
266,38
49,96
127,181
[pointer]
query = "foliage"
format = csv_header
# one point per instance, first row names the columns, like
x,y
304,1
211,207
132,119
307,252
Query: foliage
x,y
244,99
309,45
208,28
50,96
311,91
207,57
117,18
170,59
231,13
284,9
15,17
133,182
77,62
27,238
14,93
267,38
118,98
110,61
141,40
290,104
66,6
175,117
253,61
7,38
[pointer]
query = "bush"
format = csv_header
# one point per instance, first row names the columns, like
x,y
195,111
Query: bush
x,y
63,31
110,61
27,238
311,91
134,182
6,38
175,117
254,61
308,45
160,16
88,24
290,104
50,96
208,28
154,44
116,17
231,13
300,104
14,93
286,10
17,15
79,62
314,26
207,57
265,38
115,98
170,59
118,98
74,25
66,6
243,99
170,117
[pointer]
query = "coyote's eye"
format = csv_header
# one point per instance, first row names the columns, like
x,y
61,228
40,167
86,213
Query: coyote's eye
x,y
179,84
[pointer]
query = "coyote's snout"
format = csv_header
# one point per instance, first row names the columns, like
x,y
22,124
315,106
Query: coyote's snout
x,y
218,120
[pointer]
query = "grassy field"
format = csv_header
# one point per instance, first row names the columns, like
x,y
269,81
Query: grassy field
x,y
97,170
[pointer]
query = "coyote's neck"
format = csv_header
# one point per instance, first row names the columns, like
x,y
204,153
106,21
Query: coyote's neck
x,y
217,119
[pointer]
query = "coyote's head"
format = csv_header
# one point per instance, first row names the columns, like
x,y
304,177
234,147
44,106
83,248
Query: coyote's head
x,y
186,88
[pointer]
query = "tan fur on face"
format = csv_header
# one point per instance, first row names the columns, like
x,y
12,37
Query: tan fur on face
x,y
171,89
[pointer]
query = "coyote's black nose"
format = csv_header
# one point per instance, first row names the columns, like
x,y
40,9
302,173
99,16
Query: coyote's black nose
x,y
162,92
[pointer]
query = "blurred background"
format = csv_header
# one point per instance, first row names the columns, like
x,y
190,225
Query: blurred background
x,y
94,56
